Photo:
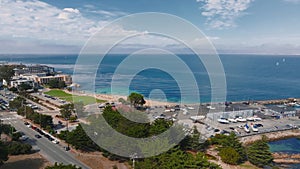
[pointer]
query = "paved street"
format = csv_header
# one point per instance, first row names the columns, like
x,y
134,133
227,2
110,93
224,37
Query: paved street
x,y
52,152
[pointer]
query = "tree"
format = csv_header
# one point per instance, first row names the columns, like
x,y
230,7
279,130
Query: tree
x,y
176,159
16,136
6,129
17,103
3,153
25,111
231,141
192,142
229,155
53,83
24,87
61,84
259,153
16,148
6,72
79,139
136,99
159,126
67,110
46,121
62,166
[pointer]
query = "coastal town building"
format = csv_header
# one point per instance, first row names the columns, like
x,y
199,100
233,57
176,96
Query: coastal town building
x,y
20,81
232,110
280,111
35,75
35,69
42,80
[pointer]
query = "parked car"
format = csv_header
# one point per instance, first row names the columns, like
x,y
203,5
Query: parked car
x,y
37,136
66,148
55,141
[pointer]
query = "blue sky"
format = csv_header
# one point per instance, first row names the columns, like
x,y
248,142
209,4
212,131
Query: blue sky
x,y
233,26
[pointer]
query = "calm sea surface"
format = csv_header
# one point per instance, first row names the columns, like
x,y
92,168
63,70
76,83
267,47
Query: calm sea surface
x,y
290,146
249,77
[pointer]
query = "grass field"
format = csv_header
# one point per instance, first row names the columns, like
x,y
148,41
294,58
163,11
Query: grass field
x,y
73,98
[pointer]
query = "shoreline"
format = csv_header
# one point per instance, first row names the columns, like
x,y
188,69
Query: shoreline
x,y
115,97
272,136
285,158
280,158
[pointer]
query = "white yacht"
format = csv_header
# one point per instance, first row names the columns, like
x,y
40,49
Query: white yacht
x,y
254,128
246,128
223,120
232,120
241,119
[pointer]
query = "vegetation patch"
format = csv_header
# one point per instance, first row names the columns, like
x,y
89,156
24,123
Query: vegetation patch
x,y
73,98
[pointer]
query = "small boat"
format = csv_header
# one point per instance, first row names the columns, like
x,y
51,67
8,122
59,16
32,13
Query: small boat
x,y
246,128
232,120
185,112
255,118
240,119
250,119
254,128
197,118
223,121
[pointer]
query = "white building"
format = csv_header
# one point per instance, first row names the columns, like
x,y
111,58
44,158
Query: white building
x,y
18,82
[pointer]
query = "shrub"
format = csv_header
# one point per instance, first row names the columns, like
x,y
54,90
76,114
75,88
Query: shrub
x,y
229,155
16,148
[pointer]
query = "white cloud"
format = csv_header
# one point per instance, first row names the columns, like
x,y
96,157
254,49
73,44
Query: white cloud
x,y
38,21
222,14
293,1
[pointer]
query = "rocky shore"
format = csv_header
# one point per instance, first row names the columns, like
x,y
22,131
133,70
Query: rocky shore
x,y
283,158
271,136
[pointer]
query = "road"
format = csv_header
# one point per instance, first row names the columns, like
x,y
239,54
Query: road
x,y
52,152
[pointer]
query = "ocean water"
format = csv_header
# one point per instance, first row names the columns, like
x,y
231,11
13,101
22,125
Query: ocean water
x,y
248,77
290,146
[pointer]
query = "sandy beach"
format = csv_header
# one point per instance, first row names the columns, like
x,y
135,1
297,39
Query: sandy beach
x,y
115,98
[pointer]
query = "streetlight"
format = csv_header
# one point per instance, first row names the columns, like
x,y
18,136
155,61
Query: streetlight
x,y
68,148
133,157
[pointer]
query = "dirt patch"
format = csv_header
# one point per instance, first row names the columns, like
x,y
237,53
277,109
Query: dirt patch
x,y
34,161
96,160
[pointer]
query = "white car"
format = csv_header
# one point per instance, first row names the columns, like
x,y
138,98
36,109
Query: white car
x,y
24,138
55,141
101,106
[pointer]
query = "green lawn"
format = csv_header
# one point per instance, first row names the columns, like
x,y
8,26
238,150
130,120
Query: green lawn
x,y
73,98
